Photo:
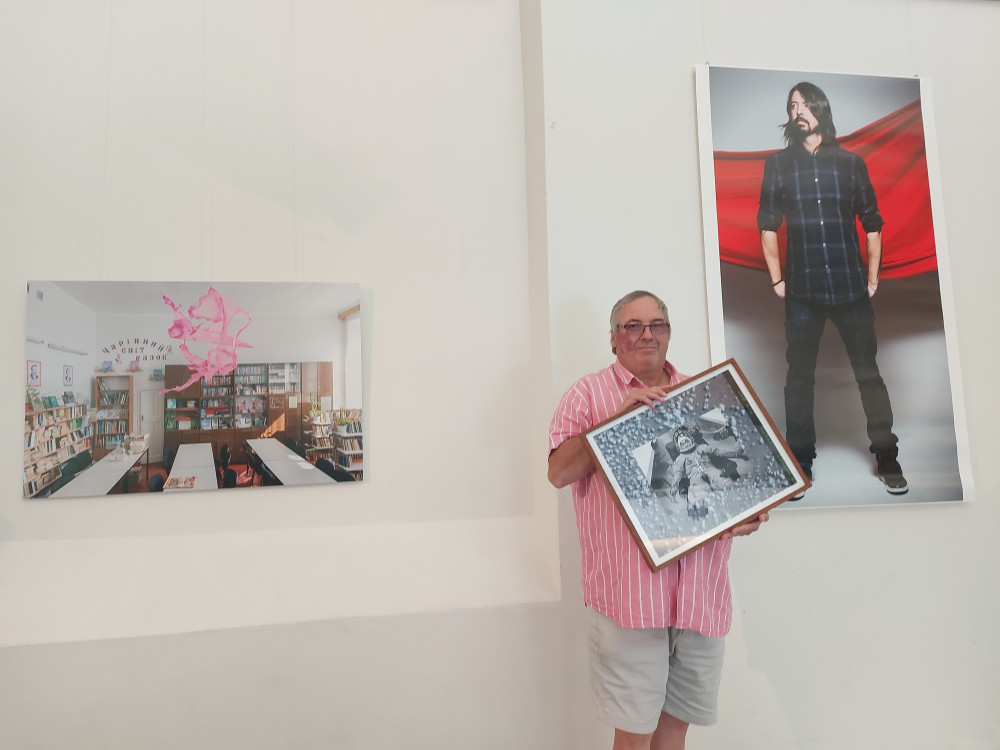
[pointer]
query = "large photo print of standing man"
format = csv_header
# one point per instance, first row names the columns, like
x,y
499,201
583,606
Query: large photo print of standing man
x,y
825,277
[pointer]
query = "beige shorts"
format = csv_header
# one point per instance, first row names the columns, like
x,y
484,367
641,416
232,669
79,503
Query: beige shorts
x,y
637,673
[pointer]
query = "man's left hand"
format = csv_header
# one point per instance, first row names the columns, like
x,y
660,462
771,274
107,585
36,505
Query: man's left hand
x,y
747,528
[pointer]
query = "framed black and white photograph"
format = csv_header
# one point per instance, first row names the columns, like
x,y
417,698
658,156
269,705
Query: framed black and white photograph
x,y
704,460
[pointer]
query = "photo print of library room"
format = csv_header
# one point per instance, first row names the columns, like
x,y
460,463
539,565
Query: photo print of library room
x,y
190,386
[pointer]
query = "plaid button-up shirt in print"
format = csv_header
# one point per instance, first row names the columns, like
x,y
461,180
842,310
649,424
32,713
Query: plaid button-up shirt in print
x,y
692,593
821,197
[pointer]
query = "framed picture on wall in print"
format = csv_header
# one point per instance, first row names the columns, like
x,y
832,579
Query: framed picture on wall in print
x,y
34,373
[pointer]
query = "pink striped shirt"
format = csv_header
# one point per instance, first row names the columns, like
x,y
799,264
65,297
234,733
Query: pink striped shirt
x,y
692,593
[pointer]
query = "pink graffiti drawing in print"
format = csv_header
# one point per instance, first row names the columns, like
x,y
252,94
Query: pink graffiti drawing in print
x,y
209,322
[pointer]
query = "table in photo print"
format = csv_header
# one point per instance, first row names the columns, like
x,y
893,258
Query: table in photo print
x,y
287,465
102,476
193,460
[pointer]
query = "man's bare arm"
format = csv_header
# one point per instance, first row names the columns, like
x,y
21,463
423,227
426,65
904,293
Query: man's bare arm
x,y
874,244
569,462
769,246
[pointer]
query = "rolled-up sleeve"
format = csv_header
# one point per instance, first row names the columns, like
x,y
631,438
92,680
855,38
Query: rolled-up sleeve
x,y
770,212
866,206
572,417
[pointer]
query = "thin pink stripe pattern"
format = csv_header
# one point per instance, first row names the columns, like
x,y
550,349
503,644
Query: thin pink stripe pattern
x,y
692,593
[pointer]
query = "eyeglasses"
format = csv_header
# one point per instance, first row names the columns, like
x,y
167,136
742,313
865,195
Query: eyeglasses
x,y
659,328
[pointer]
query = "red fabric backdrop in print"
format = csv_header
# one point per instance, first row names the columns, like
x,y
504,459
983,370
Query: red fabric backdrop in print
x,y
892,147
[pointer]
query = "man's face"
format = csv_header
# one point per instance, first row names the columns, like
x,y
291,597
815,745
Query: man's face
x,y
800,114
642,351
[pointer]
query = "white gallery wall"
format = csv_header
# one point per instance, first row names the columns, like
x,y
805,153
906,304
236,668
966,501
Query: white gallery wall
x,y
378,143
399,144
863,628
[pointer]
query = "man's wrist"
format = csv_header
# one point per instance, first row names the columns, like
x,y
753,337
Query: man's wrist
x,y
779,281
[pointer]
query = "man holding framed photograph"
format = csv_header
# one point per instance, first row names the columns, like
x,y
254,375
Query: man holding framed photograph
x,y
657,637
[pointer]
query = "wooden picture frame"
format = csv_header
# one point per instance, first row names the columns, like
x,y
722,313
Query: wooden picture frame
x,y
704,460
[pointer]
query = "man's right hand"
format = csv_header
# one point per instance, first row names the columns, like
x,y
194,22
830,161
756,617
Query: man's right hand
x,y
647,396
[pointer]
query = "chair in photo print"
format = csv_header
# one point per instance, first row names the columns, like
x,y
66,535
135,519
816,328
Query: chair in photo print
x,y
333,471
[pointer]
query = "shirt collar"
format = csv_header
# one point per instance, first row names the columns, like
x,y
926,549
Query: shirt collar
x,y
625,377
801,152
